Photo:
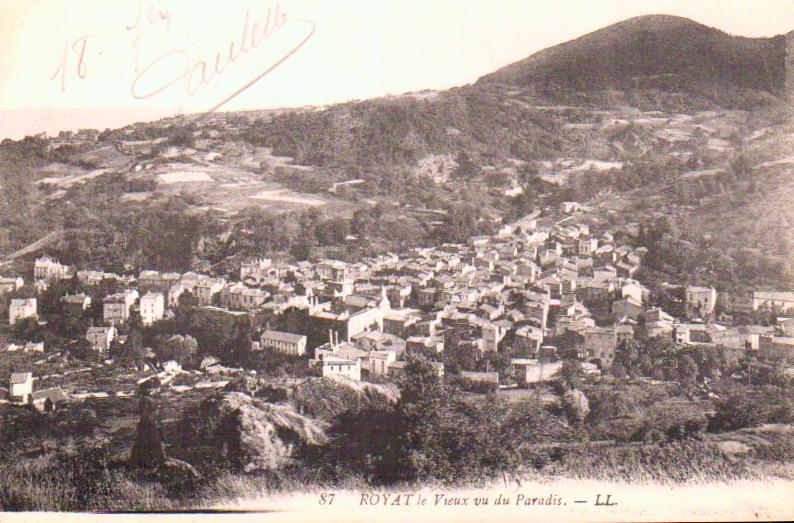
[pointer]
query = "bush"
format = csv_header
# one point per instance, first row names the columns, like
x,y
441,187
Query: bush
x,y
576,406
734,412
470,385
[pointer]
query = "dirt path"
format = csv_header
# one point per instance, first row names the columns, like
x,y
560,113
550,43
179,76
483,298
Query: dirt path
x,y
33,247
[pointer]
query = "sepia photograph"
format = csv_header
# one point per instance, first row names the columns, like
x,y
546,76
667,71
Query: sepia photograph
x,y
397,260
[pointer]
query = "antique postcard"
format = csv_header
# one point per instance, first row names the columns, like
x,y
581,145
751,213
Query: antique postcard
x,y
397,260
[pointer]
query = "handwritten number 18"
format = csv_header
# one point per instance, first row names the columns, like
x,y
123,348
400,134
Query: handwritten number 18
x,y
78,49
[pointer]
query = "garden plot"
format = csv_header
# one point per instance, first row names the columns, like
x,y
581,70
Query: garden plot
x,y
68,181
570,167
773,163
284,196
704,172
185,177
265,154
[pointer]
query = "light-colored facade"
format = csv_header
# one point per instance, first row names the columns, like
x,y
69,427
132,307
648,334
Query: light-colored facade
x,y
152,307
22,308
783,301
116,307
283,342
350,369
48,269
238,296
20,387
99,338
257,267
208,291
600,342
379,361
10,284
701,300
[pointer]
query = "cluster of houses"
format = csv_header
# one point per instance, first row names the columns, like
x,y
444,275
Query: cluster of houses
x,y
21,391
521,290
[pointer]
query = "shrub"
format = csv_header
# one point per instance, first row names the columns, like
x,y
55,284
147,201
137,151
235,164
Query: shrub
x,y
734,412
469,385
576,406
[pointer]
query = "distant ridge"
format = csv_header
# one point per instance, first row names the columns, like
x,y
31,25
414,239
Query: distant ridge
x,y
655,51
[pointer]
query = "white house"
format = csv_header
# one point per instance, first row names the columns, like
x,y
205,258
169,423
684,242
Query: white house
x,y
152,307
255,267
10,284
773,299
20,386
48,269
350,369
284,342
116,307
99,338
701,300
207,291
633,289
46,400
492,334
379,361
22,308
528,370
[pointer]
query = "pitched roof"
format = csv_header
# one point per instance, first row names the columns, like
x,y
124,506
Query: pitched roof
x,y
21,377
55,394
287,337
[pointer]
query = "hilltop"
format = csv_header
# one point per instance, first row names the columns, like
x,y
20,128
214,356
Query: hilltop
x,y
656,51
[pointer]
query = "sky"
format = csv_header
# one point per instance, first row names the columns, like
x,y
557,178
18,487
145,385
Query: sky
x,y
69,64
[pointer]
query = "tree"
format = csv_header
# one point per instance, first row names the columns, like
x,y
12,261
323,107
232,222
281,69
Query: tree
x,y
147,451
461,356
734,412
27,329
496,362
307,241
687,370
627,356
460,223
576,406
618,370
132,352
182,349
421,393
570,376
466,167
183,137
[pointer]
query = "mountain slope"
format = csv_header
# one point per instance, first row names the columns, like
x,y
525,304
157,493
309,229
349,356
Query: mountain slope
x,y
654,110
655,62
402,130
656,51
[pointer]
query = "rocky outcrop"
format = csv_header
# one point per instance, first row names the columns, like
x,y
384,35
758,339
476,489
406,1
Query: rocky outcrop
x,y
328,397
249,434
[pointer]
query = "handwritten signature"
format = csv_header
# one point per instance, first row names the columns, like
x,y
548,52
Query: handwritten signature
x,y
176,68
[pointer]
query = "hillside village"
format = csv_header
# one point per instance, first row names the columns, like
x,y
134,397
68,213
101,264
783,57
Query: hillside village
x,y
503,310
571,268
